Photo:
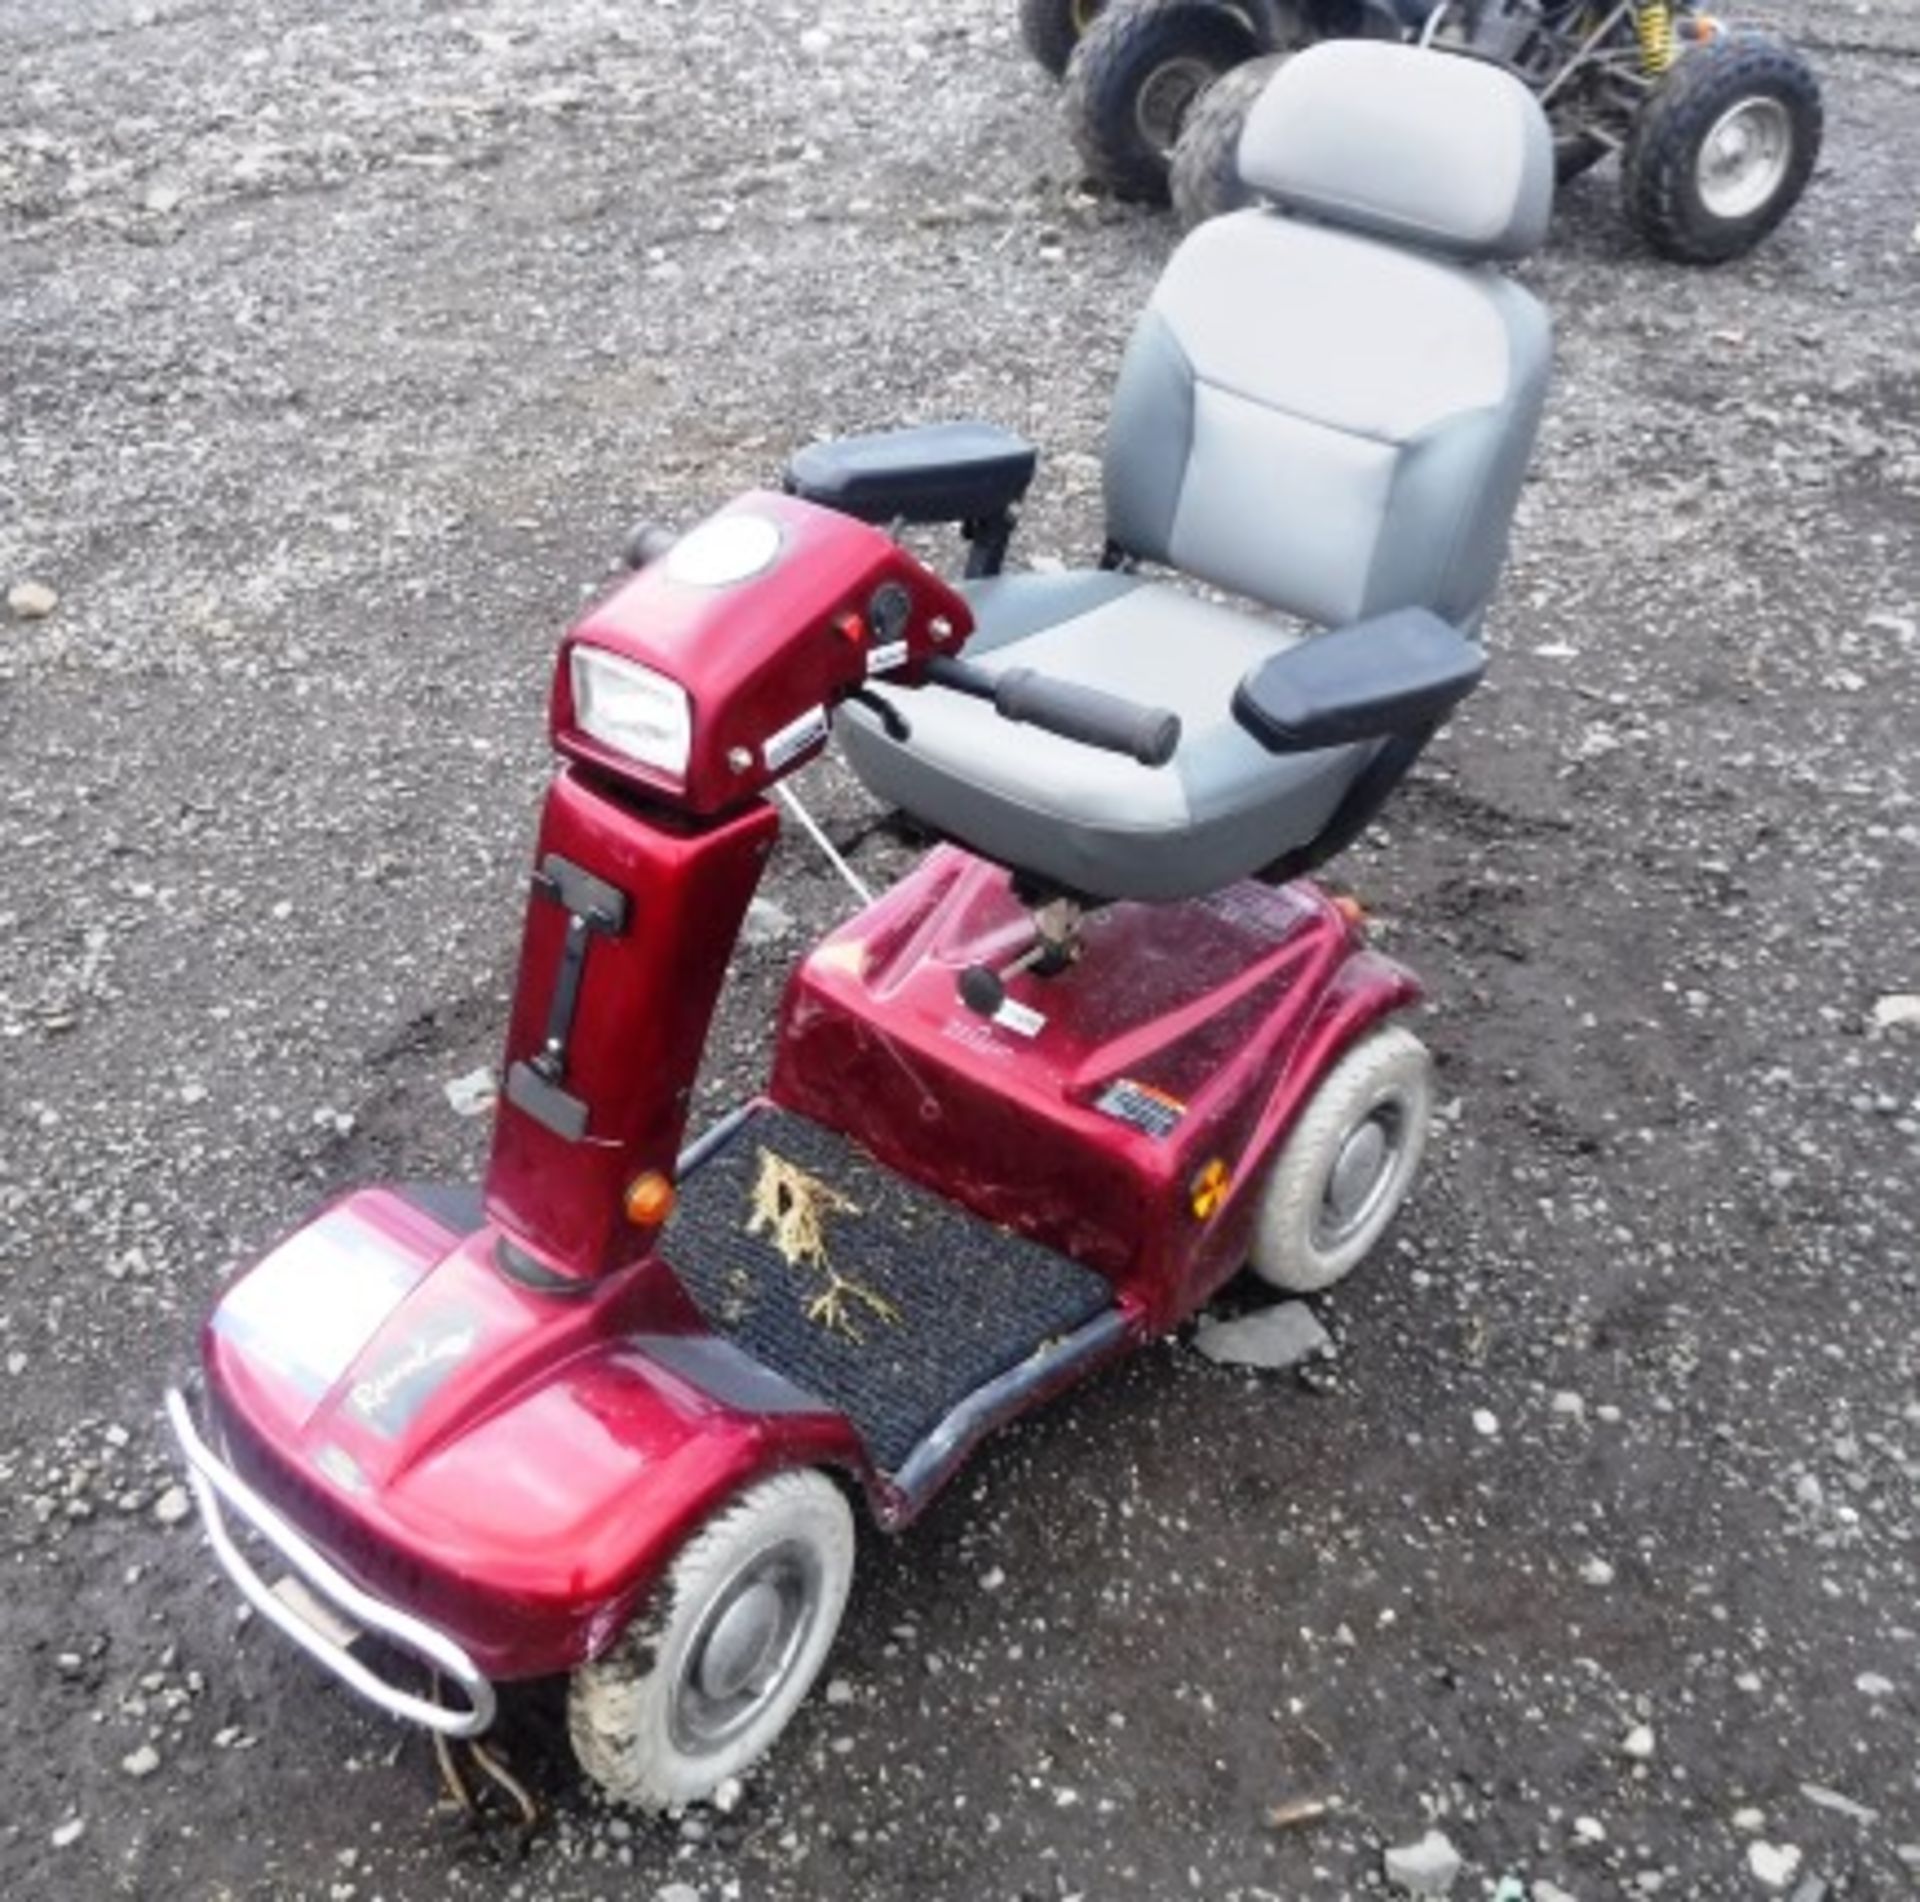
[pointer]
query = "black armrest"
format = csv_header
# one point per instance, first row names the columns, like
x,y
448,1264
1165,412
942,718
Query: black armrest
x,y
1397,673
942,472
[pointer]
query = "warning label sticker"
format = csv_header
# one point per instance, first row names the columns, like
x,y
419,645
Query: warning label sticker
x,y
1151,1111
793,739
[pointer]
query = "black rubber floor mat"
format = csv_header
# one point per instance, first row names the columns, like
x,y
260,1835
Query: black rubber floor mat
x,y
895,1304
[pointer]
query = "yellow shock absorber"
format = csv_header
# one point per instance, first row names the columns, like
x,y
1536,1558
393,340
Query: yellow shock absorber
x,y
1657,49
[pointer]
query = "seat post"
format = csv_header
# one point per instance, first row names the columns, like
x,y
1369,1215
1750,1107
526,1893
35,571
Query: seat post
x,y
1357,808
988,538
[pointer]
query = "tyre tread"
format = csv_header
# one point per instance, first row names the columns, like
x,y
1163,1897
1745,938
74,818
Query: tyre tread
x,y
1048,33
1654,171
1128,37
1204,179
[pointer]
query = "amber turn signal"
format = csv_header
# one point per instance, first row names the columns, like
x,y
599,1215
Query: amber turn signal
x,y
649,1199
1209,1188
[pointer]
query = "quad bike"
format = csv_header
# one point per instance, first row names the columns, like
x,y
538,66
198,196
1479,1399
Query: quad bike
x,y
608,1414
1718,128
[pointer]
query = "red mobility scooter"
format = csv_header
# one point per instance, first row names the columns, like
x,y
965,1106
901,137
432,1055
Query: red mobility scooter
x,y
605,1415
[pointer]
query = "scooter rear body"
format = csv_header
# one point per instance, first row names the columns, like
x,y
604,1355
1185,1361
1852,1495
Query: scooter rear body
x,y
1120,1113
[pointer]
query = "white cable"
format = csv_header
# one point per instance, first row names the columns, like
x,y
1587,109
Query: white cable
x,y
791,800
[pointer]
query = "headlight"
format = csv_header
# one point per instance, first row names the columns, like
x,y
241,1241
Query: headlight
x,y
632,709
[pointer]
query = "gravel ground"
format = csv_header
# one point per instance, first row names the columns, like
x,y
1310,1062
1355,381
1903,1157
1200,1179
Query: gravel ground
x,y
337,345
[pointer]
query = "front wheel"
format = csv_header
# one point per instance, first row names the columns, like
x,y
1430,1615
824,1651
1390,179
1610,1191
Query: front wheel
x,y
1723,150
697,1689
1346,1165
1135,77
1204,179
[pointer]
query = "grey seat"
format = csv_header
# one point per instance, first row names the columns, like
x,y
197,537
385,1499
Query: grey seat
x,y
1326,409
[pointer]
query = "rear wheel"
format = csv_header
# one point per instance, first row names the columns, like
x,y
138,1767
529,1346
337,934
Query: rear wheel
x,y
1051,29
698,1688
1723,150
1347,1165
1204,178
1135,77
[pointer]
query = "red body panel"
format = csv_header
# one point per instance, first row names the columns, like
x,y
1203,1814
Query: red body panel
x,y
766,655
511,1466
1230,1007
645,1001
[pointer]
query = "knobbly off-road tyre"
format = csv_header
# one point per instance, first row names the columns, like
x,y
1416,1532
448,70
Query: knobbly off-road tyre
x,y
1133,78
1051,29
1723,150
1204,179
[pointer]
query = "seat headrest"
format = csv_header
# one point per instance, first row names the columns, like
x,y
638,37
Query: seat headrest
x,y
1430,148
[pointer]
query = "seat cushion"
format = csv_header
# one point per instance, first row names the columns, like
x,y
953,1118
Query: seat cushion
x,y
1089,820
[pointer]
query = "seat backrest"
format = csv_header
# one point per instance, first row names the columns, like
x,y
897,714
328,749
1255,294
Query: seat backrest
x,y
1329,402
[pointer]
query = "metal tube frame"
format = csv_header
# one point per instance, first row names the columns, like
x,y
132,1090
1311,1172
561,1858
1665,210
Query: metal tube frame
x,y
215,1484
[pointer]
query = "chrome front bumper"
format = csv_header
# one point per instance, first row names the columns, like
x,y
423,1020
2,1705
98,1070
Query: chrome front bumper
x,y
216,1485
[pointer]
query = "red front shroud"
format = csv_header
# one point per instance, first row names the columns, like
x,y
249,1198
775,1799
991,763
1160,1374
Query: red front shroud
x,y
511,1466
763,652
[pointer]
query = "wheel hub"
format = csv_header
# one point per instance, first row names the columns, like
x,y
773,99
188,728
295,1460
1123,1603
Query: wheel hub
x,y
741,1641
745,1648
1166,98
1357,1169
1744,157
1361,1175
